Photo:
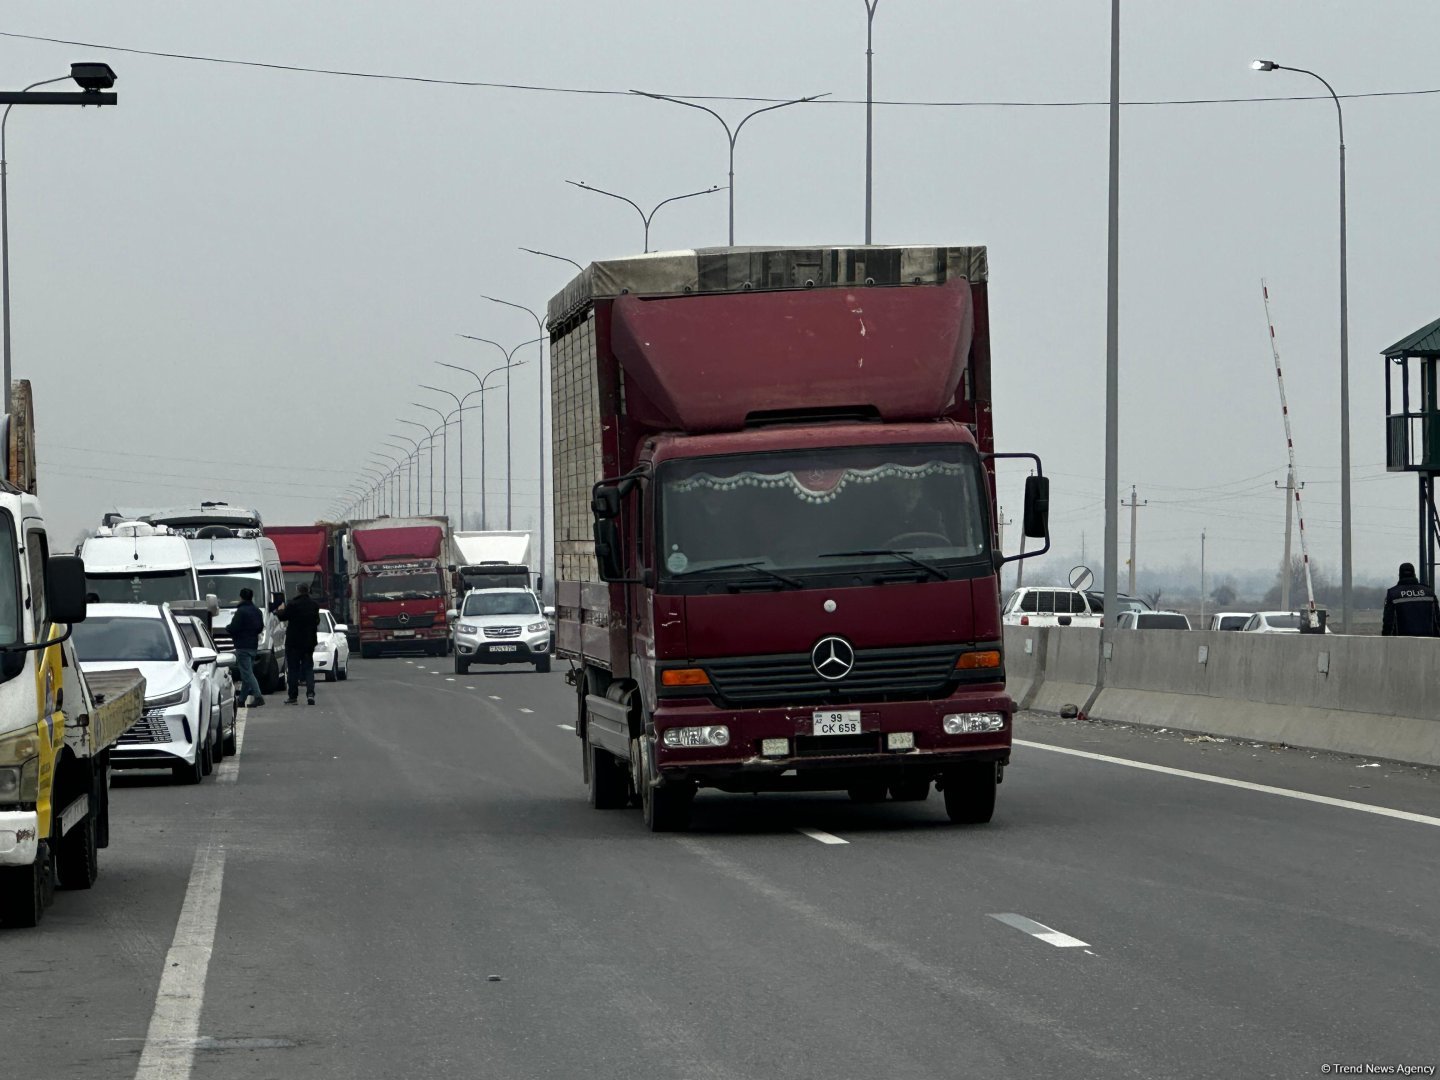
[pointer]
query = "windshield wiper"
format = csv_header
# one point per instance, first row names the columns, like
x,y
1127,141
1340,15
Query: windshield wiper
x,y
782,578
929,568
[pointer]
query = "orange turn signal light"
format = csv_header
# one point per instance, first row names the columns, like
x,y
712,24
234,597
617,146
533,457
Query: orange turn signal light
x,y
687,676
986,658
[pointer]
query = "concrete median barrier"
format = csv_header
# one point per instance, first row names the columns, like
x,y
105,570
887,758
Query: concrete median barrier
x,y
1377,697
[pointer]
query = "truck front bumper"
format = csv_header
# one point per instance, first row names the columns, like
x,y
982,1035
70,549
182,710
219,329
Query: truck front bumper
x,y
19,837
778,749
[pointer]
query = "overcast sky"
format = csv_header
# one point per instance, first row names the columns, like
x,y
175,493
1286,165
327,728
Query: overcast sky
x,y
230,285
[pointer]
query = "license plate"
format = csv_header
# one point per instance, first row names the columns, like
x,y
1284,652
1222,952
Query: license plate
x,y
154,714
503,648
837,722
404,633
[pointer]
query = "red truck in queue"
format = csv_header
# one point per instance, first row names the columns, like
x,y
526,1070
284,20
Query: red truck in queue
x,y
777,557
312,555
399,585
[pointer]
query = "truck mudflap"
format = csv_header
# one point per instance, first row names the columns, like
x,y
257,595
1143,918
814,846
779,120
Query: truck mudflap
x,y
19,837
826,748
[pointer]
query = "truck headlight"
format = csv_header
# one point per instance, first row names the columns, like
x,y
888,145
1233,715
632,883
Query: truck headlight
x,y
973,722
164,701
710,735
19,767
536,627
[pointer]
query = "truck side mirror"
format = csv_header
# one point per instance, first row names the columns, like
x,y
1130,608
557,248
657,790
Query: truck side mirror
x,y
607,549
1037,507
65,588
605,502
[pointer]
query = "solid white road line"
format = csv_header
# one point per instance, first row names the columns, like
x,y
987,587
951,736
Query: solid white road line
x,y
170,1043
229,770
1265,789
1041,931
567,727
823,837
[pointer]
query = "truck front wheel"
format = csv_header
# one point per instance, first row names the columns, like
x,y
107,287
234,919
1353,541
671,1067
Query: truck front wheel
x,y
25,891
666,809
970,793
79,858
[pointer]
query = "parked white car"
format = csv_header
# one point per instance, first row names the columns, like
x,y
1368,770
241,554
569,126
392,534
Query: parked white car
x,y
1275,622
1049,606
222,685
176,730
501,626
332,648
1229,620
1151,620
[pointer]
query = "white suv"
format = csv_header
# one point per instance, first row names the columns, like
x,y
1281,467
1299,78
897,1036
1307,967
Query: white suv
x,y
1049,606
501,626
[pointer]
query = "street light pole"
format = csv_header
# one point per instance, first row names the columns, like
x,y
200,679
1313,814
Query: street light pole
x,y
484,500
430,444
558,258
415,482
1345,547
444,457
509,442
730,135
92,78
1112,339
540,417
870,6
460,412
645,218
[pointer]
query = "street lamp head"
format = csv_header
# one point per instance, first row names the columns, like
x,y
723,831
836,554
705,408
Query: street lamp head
x,y
92,76
1264,65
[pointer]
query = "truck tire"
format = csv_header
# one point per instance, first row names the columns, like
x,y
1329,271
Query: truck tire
x,y
873,792
462,666
666,809
910,790
970,793
543,665
25,891
609,781
78,861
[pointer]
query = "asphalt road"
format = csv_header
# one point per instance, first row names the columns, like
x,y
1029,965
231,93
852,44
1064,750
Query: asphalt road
x,y
406,880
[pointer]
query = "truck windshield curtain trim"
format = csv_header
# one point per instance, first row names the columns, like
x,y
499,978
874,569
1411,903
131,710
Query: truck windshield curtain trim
x,y
10,625
149,587
405,586
821,515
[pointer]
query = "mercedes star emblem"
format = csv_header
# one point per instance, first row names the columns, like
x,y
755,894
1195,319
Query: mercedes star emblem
x,y
833,657
403,619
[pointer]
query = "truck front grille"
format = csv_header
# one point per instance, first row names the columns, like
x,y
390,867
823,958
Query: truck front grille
x,y
412,622
909,673
831,745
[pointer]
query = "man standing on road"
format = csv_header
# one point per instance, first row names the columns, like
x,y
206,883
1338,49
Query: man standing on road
x,y
245,628
302,618
1410,607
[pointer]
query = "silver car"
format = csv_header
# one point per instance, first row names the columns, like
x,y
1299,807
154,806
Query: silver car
x,y
501,626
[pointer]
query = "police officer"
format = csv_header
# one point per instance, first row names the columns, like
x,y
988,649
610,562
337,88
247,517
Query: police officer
x,y
1410,607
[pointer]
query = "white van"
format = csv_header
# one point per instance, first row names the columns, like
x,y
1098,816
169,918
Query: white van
x,y
227,561
134,562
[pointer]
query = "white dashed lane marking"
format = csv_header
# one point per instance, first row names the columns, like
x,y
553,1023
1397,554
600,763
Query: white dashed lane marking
x,y
1040,930
567,727
527,710
823,837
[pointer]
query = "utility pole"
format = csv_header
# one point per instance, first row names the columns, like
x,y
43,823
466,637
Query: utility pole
x,y
1285,573
1202,579
1134,506
1001,522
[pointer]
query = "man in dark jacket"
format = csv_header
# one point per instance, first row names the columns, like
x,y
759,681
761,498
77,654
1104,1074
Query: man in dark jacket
x,y
302,619
245,628
1410,607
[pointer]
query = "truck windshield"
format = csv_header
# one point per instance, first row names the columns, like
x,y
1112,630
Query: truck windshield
x,y
111,637
500,603
9,584
295,578
828,511
149,588
421,586
225,585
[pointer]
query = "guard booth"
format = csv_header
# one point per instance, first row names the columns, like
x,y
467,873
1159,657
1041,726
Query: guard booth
x,y
1412,441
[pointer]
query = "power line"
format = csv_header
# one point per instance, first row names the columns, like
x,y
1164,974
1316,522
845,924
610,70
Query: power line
x,y
430,80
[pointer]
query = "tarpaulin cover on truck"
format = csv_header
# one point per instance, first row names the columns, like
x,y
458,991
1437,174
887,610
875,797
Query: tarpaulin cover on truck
x,y
389,545
300,547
